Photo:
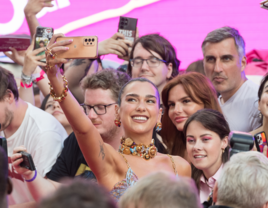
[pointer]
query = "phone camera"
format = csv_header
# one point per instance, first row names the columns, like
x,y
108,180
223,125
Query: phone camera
x,y
85,40
89,40
93,40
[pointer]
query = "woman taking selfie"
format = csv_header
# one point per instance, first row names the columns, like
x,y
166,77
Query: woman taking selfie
x,y
206,134
138,111
182,97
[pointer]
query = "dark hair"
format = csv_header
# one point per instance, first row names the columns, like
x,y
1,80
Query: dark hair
x,y
7,82
80,193
196,66
160,45
200,89
107,79
41,41
3,176
43,105
213,121
138,80
263,81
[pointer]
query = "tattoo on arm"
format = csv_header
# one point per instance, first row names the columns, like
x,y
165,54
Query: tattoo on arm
x,y
102,153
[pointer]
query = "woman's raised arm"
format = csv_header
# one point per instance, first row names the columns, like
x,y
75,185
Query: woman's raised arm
x,y
98,155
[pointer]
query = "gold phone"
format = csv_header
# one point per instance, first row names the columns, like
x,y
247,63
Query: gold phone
x,y
82,47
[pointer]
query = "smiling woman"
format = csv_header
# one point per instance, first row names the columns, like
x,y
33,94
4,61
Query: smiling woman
x,y
207,146
182,97
138,111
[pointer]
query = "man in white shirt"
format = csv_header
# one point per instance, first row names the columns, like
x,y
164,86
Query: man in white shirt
x,y
23,124
224,64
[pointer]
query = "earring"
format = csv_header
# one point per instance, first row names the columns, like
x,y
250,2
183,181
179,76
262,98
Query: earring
x,y
223,150
117,122
158,126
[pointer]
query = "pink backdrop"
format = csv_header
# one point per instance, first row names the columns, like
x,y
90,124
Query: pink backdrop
x,y
184,23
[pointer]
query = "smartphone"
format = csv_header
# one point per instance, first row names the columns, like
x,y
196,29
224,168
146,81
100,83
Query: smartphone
x,y
264,4
27,161
260,141
82,47
3,143
127,26
42,38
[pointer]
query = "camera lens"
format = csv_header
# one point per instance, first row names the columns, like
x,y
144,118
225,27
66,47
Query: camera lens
x,y
93,40
85,40
89,40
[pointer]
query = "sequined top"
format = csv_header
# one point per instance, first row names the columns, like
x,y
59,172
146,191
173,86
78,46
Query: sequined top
x,y
131,178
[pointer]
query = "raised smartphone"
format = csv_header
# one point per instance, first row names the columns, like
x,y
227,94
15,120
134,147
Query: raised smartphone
x,y
82,47
127,26
42,38
260,141
27,161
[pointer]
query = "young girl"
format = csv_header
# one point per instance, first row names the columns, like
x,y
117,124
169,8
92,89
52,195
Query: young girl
x,y
206,134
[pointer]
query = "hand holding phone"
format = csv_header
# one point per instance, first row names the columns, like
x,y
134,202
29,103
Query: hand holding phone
x,y
83,47
42,38
260,141
128,26
27,161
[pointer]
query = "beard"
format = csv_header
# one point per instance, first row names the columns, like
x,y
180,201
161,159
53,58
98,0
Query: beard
x,y
9,115
110,134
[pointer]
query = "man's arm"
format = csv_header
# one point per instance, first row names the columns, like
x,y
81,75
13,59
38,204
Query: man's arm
x,y
30,11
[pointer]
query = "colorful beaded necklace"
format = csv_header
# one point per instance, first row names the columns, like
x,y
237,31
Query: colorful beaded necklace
x,y
129,147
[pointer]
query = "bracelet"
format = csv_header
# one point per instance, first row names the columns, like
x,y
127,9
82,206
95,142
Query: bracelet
x,y
26,79
24,85
35,174
64,92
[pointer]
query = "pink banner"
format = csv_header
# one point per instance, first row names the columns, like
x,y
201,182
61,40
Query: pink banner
x,y
183,23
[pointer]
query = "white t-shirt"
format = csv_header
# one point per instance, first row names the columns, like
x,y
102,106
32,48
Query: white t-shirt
x,y
241,110
43,137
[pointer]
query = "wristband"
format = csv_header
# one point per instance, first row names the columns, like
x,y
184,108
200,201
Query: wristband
x,y
24,85
37,79
35,174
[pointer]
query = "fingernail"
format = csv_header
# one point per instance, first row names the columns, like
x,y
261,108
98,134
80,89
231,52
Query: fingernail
x,y
66,48
71,40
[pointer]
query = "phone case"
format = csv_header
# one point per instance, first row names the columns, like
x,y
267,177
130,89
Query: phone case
x,y
42,38
27,161
82,47
260,140
127,26
3,143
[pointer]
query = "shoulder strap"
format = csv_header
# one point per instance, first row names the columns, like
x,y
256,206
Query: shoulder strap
x,y
124,159
173,165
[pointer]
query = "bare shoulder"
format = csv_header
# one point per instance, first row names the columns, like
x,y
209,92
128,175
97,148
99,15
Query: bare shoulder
x,y
182,166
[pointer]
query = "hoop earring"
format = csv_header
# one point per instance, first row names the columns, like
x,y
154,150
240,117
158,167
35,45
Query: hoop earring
x,y
223,150
117,122
158,126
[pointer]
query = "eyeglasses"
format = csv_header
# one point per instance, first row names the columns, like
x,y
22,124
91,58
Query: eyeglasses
x,y
99,109
152,62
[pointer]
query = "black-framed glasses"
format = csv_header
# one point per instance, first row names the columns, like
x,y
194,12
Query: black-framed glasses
x,y
99,109
152,62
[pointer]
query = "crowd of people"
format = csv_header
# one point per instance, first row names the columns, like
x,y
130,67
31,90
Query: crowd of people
x,y
140,134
